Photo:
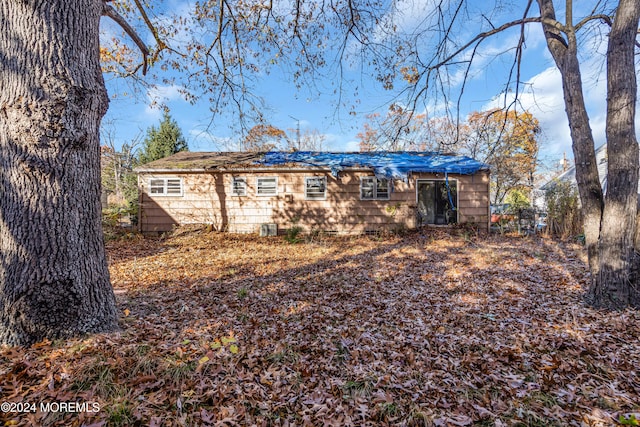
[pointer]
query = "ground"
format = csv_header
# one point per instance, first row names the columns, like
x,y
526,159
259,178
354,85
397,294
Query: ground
x,y
428,329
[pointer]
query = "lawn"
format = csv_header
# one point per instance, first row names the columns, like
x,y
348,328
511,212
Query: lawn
x,y
422,330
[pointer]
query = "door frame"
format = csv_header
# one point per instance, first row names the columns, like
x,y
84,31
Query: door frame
x,y
457,197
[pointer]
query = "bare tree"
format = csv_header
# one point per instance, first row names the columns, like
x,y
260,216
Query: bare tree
x,y
609,222
117,163
266,137
307,140
400,130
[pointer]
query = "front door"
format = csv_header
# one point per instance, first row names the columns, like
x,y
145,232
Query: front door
x,y
437,202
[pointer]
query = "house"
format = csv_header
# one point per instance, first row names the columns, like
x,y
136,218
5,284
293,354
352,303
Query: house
x,y
569,177
340,193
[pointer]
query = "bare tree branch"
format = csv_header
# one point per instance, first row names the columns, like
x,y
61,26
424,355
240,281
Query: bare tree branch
x,y
604,18
154,31
113,14
484,35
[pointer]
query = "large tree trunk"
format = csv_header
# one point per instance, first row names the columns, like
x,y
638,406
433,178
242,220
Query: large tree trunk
x,y
565,54
610,224
615,286
54,280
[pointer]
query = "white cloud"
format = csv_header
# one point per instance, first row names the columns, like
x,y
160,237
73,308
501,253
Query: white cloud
x,y
411,14
204,140
544,98
162,95
350,145
165,93
337,142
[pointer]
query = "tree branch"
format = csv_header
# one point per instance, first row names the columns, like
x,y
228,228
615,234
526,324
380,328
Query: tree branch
x,y
480,37
604,18
113,14
161,44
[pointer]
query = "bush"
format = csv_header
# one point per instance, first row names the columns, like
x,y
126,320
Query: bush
x,y
563,210
517,200
293,233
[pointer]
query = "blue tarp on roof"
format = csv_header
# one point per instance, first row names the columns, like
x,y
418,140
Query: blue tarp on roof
x,y
393,165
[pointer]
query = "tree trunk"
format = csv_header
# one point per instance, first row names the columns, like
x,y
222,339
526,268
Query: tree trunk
x,y
565,54
609,224
54,281
614,286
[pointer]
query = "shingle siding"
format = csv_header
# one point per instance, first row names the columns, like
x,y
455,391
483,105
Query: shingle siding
x,y
207,199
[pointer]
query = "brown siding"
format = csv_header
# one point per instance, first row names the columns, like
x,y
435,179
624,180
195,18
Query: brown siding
x,y
207,199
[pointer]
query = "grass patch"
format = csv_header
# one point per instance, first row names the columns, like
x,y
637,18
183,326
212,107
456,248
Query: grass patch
x,y
177,370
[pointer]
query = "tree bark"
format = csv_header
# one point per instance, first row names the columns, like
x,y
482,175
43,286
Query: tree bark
x,y
610,223
565,54
615,286
54,281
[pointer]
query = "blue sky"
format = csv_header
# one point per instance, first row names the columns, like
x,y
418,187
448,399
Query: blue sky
x,y
319,109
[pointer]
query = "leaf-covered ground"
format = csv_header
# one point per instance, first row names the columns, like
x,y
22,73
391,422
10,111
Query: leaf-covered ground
x,y
424,330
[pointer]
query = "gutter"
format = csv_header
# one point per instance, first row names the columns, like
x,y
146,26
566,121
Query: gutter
x,y
244,169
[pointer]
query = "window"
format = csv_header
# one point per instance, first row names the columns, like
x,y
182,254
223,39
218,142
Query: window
x,y
239,186
267,186
315,188
372,188
437,201
165,186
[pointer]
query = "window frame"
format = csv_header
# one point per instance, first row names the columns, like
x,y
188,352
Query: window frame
x,y
243,180
375,191
165,187
306,187
259,178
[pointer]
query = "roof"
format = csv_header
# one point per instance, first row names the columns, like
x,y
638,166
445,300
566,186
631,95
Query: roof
x,y
201,161
569,176
384,164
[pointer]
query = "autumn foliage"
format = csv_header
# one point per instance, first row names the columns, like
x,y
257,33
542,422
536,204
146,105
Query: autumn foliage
x,y
399,129
263,137
428,329
505,140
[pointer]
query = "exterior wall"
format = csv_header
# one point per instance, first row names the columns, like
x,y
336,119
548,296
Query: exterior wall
x,y
473,200
206,198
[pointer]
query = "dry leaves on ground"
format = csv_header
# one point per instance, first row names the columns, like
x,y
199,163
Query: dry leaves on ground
x,y
423,330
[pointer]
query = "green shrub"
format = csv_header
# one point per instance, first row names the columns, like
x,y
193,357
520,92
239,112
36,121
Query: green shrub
x,y
293,234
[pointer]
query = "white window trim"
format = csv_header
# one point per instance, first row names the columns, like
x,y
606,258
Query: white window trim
x,y
165,187
258,185
375,188
306,193
233,187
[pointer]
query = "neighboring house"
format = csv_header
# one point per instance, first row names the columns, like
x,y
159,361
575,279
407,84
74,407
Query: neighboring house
x,y
343,193
569,176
